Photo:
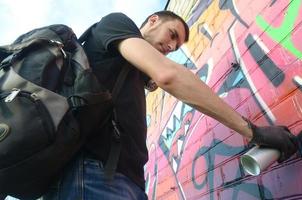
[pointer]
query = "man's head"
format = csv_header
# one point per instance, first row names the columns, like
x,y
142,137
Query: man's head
x,y
165,31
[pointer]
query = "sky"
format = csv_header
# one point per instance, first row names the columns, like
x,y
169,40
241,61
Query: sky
x,y
20,16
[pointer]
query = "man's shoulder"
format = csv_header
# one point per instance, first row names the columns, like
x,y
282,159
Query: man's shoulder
x,y
118,14
118,19
118,23
115,15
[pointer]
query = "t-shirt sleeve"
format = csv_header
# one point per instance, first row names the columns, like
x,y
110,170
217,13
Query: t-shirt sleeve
x,y
114,27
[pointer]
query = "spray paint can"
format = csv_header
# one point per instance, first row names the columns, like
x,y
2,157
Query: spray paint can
x,y
258,158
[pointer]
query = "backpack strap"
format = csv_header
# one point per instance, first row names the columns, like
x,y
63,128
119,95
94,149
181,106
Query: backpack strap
x,y
6,62
115,147
119,82
85,35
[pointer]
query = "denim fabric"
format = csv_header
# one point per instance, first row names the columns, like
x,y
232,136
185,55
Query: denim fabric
x,y
84,179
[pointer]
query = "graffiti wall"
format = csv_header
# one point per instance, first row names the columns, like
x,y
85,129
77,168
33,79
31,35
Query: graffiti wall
x,y
250,53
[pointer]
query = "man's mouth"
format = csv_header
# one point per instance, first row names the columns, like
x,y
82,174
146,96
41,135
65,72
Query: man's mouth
x,y
163,50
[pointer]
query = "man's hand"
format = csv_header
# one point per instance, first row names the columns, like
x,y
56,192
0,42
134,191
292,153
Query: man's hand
x,y
277,137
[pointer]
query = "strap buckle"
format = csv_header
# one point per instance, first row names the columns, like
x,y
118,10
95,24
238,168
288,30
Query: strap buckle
x,y
76,101
116,131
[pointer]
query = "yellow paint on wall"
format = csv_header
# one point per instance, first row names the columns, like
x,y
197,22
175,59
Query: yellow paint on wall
x,y
182,7
212,19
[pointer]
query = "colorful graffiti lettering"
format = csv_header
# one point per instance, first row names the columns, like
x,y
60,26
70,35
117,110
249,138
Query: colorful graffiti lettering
x,y
249,53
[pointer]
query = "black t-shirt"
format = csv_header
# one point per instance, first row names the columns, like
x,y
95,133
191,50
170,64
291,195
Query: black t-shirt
x,y
106,63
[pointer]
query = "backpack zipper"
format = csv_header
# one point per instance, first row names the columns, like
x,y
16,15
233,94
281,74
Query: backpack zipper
x,y
41,108
60,45
12,95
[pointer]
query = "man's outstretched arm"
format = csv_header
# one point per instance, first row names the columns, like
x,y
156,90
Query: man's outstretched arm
x,y
181,83
187,87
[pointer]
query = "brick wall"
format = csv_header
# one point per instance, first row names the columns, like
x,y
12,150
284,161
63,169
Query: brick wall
x,y
249,52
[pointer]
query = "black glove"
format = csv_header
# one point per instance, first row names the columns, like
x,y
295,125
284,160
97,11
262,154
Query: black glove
x,y
277,137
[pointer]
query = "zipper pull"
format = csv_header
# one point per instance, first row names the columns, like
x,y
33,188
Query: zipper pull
x,y
12,95
60,45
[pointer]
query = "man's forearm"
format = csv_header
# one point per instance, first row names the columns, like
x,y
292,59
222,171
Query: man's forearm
x,y
190,89
231,119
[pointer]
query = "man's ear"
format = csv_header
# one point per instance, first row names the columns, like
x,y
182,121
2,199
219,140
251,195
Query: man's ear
x,y
152,19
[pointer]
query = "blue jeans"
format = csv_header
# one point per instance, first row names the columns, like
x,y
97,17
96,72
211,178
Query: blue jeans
x,y
84,179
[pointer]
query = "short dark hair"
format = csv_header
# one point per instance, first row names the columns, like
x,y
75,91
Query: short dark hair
x,y
169,15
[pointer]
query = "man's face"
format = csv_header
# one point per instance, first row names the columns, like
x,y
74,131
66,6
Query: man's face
x,y
165,35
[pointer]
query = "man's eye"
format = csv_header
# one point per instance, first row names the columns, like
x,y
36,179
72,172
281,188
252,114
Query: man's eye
x,y
172,35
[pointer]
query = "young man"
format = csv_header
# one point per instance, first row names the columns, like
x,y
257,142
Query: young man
x,y
116,42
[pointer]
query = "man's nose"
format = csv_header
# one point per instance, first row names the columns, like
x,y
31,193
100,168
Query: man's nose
x,y
172,46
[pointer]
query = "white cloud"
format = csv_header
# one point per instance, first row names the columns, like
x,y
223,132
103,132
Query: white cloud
x,y
20,16
138,9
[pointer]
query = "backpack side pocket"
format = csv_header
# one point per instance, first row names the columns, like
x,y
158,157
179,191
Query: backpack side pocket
x,y
29,127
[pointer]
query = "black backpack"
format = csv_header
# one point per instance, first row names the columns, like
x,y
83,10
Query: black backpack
x,y
50,102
